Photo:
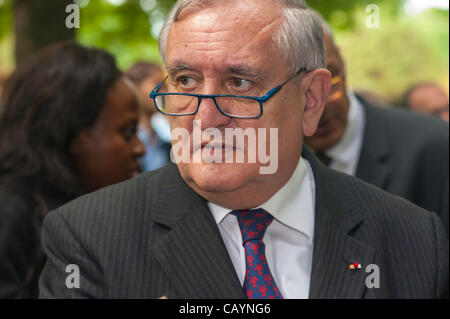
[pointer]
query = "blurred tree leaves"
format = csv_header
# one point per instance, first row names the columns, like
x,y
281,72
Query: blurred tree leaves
x,y
339,13
385,60
126,30
6,36
38,24
131,30
403,51
6,17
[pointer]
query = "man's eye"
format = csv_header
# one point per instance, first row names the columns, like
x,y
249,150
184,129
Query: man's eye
x,y
186,81
241,83
242,86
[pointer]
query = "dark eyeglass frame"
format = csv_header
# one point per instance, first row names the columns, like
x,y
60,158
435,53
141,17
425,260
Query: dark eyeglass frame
x,y
263,99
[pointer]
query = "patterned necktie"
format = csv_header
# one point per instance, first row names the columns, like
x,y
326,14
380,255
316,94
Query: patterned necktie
x,y
259,282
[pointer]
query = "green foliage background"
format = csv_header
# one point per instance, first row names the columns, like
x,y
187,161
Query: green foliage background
x,y
6,42
403,51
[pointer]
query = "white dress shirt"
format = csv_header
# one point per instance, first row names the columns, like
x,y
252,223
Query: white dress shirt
x,y
345,154
288,239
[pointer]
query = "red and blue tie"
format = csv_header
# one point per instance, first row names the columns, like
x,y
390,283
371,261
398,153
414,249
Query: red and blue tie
x,y
259,282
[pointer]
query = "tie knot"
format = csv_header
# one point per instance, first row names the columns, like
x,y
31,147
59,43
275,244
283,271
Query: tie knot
x,y
253,223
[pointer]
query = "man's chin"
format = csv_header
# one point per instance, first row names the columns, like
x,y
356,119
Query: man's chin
x,y
216,177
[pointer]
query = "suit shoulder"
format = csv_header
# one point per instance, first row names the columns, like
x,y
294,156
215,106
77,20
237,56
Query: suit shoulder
x,y
98,222
407,124
130,196
410,137
409,242
378,207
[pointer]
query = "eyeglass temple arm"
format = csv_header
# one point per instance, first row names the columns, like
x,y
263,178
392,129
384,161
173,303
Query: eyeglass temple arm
x,y
156,89
276,89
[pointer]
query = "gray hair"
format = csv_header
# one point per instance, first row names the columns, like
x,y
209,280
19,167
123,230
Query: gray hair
x,y
327,30
300,37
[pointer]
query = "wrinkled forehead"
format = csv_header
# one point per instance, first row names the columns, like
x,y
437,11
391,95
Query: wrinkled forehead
x,y
253,14
243,27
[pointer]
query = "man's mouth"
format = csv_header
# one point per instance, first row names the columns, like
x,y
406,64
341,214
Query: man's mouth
x,y
216,146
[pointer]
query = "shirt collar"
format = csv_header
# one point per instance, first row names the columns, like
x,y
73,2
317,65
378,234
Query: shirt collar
x,y
345,150
293,205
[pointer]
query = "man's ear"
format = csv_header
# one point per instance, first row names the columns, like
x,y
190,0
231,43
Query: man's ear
x,y
316,87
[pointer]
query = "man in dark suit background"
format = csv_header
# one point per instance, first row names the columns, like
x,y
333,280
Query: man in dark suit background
x,y
401,152
227,230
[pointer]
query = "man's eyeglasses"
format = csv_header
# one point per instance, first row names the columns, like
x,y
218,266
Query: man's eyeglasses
x,y
335,92
235,106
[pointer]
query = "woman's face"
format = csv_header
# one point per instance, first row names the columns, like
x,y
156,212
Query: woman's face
x,y
108,152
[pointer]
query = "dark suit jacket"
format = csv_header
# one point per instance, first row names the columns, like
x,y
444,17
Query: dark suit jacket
x,y
406,154
154,236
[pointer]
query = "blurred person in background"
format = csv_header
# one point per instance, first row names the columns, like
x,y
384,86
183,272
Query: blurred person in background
x,y
404,153
153,129
68,127
428,98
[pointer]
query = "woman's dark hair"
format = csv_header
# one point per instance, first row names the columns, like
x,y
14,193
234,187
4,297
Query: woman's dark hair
x,y
46,102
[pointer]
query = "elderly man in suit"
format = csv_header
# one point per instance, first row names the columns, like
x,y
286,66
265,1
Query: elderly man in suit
x,y
203,229
402,152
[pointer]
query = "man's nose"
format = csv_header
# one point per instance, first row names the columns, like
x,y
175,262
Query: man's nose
x,y
210,115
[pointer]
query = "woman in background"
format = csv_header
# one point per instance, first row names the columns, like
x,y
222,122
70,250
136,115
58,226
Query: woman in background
x,y
67,127
153,128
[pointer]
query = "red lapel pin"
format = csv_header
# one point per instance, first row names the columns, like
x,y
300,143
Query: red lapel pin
x,y
355,266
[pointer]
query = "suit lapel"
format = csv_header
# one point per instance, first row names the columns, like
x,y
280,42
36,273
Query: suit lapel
x,y
372,166
192,253
334,249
